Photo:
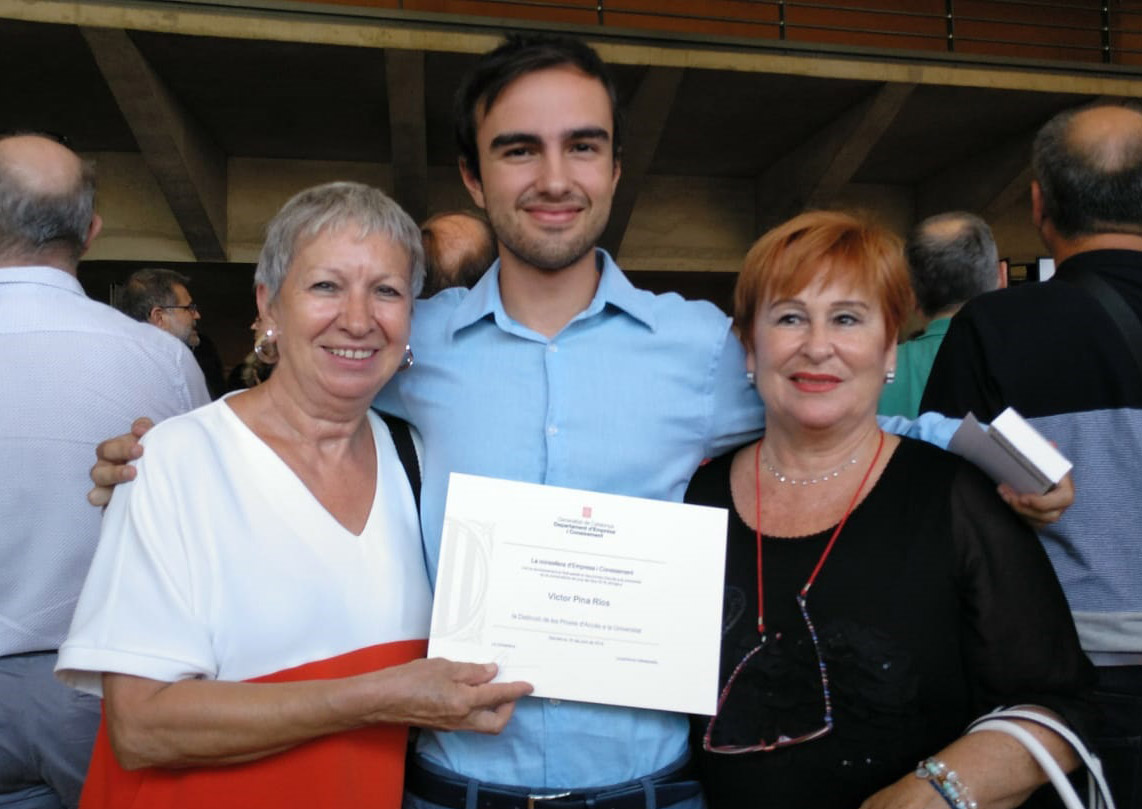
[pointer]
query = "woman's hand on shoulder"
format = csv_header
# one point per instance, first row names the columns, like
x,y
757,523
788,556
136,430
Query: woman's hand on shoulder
x,y
444,695
112,465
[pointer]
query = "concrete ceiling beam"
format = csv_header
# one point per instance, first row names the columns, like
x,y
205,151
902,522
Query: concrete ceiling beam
x,y
868,123
987,184
977,183
189,167
404,79
814,172
646,115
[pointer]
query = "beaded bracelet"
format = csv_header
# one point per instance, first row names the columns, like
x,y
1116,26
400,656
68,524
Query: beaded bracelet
x,y
947,783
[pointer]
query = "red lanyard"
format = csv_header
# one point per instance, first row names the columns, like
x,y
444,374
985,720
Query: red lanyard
x,y
832,539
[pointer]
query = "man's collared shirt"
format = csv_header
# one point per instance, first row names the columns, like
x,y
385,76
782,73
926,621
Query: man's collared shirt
x,y
75,371
627,399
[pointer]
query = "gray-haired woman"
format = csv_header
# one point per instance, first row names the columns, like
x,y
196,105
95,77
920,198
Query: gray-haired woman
x,y
257,606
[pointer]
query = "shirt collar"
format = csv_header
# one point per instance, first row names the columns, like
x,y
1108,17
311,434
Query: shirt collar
x,y
615,289
938,327
42,275
483,299
1099,259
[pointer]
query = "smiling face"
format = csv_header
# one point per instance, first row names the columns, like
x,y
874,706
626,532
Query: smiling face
x,y
342,314
820,356
547,167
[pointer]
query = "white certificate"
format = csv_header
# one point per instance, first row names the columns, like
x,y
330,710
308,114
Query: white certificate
x,y
587,596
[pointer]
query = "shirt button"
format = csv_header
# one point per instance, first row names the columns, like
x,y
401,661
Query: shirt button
x,y
552,348
554,702
552,430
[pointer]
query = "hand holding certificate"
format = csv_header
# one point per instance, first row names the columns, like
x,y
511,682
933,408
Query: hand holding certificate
x,y
587,596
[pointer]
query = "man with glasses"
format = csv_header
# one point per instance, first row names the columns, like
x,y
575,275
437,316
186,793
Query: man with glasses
x,y
160,297
73,370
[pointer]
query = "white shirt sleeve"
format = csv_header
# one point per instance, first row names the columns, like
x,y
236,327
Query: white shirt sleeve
x,y
143,566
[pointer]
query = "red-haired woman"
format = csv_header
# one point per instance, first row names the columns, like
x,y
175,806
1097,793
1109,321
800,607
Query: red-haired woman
x,y
879,594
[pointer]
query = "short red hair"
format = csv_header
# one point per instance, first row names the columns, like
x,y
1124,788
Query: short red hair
x,y
826,246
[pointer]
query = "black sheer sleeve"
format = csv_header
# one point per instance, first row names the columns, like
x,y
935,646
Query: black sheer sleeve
x,y
1018,636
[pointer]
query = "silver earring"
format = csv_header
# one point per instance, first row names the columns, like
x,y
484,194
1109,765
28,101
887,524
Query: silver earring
x,y
407,362
890,377
266,346
750,378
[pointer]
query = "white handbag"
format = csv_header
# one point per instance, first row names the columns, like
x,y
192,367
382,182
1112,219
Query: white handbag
x,y
1098,793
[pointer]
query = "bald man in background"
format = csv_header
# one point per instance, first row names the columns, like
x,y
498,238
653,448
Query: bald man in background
x,y
73,370
952,257
1067,354
458,249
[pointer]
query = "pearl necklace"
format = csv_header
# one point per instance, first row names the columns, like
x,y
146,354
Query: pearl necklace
x,y
825,478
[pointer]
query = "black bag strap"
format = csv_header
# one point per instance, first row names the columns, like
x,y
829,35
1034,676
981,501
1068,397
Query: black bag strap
x,y
406,452
1125,318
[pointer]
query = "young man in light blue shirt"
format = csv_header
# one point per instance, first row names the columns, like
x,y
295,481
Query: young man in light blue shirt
x,y
554,369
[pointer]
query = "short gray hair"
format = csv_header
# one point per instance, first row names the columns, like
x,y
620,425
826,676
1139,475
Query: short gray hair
x,y
148,288
952,257
32,222
335,205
